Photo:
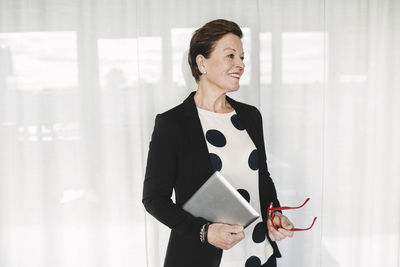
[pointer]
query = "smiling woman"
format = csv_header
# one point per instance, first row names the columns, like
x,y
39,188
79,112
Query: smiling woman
x,y
82,81
212,132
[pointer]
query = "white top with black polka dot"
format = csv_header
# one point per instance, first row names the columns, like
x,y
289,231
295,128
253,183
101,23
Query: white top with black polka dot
x,y
233,153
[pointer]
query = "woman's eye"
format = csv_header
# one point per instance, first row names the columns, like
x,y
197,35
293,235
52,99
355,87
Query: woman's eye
x,y
242,58
231,55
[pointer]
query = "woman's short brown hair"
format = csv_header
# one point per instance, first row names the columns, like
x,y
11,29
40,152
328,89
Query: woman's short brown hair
x,y
204,39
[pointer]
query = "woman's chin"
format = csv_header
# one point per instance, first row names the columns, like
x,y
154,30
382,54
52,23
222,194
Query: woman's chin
x,y
233,89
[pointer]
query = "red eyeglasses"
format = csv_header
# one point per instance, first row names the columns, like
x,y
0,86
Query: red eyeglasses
x,y
271,215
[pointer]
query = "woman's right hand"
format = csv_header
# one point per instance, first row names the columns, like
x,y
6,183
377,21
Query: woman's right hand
x,y
224,236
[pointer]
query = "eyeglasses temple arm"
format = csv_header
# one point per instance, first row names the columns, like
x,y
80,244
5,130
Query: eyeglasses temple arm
x,y
290,208
305,229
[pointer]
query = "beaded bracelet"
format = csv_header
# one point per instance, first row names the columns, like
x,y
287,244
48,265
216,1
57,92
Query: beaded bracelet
x,y
204,233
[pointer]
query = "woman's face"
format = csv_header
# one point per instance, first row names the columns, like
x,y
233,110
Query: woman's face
x,y
225,65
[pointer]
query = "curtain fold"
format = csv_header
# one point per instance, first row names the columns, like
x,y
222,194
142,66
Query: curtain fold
x,y
81,83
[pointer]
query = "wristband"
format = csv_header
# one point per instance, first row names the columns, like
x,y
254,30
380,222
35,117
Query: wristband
x,y
204,233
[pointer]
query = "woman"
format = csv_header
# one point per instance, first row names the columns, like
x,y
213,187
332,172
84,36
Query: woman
x,y
207,132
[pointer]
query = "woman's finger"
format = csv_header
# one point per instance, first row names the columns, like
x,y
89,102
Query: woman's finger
x,y
273,234
278,235
286,233
286,223
233,228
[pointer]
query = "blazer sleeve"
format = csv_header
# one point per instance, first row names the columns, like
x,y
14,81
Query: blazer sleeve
x,y
161,172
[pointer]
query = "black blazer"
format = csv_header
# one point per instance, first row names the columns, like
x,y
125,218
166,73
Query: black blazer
x,y
178,160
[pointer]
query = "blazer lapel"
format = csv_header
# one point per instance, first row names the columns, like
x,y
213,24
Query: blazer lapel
x,y
201,162
248,122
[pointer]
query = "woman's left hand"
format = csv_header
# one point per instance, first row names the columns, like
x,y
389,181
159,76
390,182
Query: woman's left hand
x,y
283,232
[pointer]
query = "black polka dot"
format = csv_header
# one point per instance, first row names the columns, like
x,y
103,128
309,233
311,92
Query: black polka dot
x,y
253,160
244,194
259,233
216,138
216,162
237,123
253,261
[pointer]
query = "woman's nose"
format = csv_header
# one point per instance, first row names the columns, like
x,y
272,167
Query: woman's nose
x,y
240,63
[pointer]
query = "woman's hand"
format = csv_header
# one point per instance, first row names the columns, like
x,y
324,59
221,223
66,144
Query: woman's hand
x,y
283,232
224,236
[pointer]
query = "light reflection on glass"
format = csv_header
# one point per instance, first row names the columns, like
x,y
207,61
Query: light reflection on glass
x,y
65,131
360,78
119,61
41,60
303,57
181,73
265,58
150,59
245,79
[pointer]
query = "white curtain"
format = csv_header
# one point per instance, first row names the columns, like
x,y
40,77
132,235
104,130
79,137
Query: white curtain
x,y
81,82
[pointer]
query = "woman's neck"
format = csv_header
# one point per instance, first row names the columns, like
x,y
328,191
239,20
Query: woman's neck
x,y
212,100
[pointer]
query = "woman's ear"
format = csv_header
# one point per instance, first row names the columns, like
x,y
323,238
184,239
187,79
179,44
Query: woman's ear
x,y
201,63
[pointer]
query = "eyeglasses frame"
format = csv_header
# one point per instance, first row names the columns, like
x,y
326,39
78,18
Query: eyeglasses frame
x,y
271,215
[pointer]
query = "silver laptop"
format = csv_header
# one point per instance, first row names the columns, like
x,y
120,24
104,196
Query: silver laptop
x,y
219,202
